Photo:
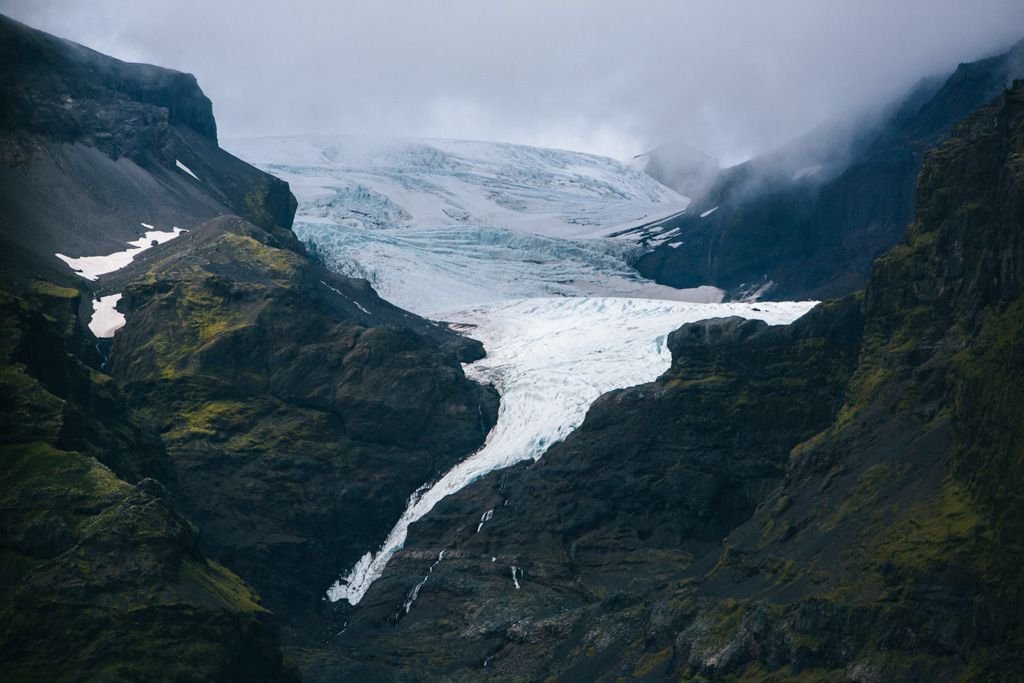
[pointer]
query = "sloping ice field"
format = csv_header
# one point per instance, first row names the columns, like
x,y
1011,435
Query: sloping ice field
x,y
510,243
436,225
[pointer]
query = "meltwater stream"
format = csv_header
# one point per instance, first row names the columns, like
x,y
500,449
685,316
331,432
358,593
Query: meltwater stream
x,y
550,358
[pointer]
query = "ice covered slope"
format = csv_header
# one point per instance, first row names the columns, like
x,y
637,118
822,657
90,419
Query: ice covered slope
x,y
550,359
388,183
442,224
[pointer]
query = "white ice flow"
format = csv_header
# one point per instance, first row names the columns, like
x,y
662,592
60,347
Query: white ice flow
x,y
550,358
91,267
106,319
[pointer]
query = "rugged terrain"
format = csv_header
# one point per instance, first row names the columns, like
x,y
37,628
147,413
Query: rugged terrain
x,y
807,220
256,409
836,500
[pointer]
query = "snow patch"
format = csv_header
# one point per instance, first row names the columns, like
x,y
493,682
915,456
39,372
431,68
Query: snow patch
x,y
91,267
486,517
550,359
515,579
186,169
415,592
106,319
708,212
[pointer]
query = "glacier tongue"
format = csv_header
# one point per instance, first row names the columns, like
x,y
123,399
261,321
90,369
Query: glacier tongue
x,y
468,232
550,358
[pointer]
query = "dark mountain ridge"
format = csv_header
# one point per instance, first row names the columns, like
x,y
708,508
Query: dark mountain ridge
x,y
813,232
258,421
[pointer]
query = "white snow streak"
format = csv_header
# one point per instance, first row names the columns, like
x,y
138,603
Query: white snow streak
x,y
708,212
186,169
106,319
806,171
550,359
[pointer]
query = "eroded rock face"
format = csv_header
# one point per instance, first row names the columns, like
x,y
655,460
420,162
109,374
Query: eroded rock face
x,y
862,465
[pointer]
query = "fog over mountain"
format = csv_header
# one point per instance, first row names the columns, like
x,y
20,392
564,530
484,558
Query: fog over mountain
x,y
732,78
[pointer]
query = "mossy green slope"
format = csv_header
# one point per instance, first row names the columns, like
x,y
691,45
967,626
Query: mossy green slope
x,y
296,423
102,580
901,537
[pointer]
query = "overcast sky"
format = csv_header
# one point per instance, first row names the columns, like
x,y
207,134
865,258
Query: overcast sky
x,y
732,78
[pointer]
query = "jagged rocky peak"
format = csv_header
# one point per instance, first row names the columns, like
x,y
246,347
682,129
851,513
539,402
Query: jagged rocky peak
x,y
132,147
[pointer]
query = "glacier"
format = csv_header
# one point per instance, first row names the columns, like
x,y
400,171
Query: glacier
x,y
550,358
528,250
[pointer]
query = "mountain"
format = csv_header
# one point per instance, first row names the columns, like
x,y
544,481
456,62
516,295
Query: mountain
x,y
838,499
808,220
201,422
441,225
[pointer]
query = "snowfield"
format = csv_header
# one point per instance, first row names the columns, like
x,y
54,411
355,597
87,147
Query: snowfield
x,y
550,359
442,224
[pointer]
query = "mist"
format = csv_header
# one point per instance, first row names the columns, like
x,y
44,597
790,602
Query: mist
x,y
733,79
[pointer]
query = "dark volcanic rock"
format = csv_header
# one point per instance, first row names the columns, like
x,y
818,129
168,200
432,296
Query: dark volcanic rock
x,y
297,415
275,415
816,236
88,151
100,579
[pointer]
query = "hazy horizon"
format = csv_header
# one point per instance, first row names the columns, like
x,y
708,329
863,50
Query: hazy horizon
x,y
599,77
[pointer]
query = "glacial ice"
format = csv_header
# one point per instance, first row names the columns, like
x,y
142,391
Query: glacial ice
x,y
530,249
442,224
550,358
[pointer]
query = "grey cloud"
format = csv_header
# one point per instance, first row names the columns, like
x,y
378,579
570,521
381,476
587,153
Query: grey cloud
x,y
732,78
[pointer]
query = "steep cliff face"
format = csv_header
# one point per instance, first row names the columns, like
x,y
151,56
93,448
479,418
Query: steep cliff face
x,y
812,228
862,465
90,147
